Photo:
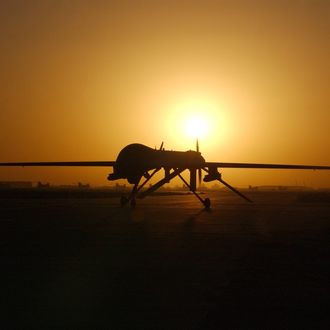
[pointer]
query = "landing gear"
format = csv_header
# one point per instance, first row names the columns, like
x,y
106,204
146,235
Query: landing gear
x,y
169,175
131,198
207,203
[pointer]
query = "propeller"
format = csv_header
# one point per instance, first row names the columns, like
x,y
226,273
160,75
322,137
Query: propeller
x,y
161,146
199,170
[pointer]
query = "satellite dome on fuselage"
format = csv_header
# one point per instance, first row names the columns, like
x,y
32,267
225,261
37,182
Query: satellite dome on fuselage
x,y
132,153
135,159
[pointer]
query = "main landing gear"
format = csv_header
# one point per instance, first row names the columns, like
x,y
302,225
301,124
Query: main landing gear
x,y
131,199
212,174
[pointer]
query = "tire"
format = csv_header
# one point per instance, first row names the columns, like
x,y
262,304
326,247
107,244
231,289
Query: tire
x,y
207,203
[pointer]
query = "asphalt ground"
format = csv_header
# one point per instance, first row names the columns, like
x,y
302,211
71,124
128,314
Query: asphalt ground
x,y
74,263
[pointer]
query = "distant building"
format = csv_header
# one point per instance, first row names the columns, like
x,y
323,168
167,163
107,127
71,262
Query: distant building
x,y
15,184
279,188
73,186
43,185
83,185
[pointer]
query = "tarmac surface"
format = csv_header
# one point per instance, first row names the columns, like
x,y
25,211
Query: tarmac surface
x,y
73,263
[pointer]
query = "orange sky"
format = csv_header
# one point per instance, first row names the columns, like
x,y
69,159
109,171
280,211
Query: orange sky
x,y
81,79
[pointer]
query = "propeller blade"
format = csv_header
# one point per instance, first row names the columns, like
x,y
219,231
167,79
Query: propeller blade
x,y
234,190
161,146
197,145
193,177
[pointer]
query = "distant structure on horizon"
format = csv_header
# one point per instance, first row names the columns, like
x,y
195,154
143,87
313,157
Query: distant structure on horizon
x,y
15,184
43,185
280,188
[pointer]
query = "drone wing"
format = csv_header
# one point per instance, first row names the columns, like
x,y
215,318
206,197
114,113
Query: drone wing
x,y
213,174
86,164
270,166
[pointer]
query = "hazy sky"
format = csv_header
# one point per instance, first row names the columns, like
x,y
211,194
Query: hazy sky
x,y
81,79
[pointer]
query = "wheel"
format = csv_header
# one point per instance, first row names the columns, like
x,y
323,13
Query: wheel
x,y
123,201
207,203
133,203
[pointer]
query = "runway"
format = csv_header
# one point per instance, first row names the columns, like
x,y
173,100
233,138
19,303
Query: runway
x,y
87,263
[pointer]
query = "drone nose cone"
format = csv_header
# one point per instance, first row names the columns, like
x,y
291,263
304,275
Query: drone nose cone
x,y
201,160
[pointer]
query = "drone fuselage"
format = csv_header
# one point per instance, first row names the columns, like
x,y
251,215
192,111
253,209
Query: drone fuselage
x,y
135,160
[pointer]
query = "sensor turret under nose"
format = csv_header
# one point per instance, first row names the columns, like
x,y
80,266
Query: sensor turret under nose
x,y
212,175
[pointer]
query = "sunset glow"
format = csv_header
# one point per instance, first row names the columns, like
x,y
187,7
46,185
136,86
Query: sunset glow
x,y
202,117
196,126
82,79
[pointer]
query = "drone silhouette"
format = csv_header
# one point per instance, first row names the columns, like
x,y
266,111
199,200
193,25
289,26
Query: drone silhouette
x,y
138,163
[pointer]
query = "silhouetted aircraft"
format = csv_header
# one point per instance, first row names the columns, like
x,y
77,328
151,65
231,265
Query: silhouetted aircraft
x,y
137,162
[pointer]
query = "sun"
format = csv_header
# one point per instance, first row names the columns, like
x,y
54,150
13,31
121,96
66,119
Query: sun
x,y
192,117
196,126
